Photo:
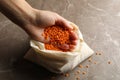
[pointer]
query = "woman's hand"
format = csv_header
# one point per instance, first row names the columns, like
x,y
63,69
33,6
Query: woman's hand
x,y
34,21
44,19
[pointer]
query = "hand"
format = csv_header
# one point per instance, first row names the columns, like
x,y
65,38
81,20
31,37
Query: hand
x,y
46,18
34,21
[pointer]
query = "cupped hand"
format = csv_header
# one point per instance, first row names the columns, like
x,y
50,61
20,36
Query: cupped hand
x,y
44,19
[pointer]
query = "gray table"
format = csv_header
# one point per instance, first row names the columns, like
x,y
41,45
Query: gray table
x,y
98,20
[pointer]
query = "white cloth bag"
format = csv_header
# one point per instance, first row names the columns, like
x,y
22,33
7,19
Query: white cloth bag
x,y
58,61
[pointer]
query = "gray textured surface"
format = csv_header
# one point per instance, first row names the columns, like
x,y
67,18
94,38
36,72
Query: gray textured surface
x,y
98,20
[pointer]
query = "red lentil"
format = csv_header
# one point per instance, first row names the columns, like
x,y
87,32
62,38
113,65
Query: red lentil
x,y
95,62
84,73
80,66
90,59
67,75
100,54
109,62
87,66
97,53
77,78
78,72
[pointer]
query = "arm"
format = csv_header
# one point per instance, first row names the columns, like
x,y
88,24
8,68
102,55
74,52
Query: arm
x,y
19,11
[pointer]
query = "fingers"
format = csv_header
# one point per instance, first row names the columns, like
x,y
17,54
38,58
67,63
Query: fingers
x,y
67,47
74,42
73,36
64,47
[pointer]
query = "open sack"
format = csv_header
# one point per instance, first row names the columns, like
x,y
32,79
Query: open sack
x,y
58,61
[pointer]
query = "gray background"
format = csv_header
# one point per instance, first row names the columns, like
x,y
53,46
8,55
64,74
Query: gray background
x,y
98,20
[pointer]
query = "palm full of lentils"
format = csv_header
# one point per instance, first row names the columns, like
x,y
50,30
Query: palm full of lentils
x,y
57,36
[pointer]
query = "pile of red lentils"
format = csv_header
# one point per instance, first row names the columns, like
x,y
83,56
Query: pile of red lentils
x,y
56,36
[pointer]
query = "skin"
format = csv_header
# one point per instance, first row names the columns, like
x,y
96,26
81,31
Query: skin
x,y
34,21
